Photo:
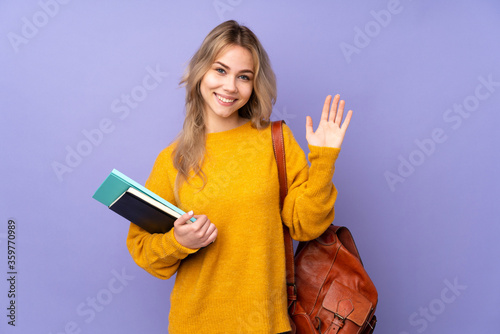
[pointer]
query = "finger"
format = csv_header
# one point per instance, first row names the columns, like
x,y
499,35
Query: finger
x,y
209,236
183,219
326,106
333,109
205,227
340,113
212,235
212,232
347,120
201,221
309,126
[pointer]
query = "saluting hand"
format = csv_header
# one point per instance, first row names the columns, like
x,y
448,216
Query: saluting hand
x,y
331,130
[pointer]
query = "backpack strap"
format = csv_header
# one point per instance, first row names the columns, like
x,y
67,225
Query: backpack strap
x,y
279,154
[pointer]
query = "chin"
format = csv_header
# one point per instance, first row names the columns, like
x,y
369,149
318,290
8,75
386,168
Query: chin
x,y
226,113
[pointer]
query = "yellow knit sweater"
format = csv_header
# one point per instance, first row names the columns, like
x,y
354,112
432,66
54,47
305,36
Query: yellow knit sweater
x,y
237,284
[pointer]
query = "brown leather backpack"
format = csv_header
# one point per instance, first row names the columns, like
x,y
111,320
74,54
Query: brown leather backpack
x,y
329,290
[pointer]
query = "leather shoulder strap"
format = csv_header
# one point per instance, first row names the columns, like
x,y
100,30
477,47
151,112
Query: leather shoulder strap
x,y
279,154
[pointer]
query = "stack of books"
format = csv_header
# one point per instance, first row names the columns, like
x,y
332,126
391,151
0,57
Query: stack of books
x,y
137,204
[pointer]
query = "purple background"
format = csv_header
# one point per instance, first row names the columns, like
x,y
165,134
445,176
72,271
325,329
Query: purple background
x,y
66,65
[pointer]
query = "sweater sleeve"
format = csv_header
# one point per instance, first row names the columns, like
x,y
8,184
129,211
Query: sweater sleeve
x,y
158,254
308,209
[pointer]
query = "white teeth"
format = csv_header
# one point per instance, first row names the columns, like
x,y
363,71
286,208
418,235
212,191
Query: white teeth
x,y
224,100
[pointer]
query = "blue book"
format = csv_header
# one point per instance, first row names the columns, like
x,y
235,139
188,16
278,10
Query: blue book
x,y
137,204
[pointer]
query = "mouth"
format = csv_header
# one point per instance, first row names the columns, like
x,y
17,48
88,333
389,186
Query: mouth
x,y
224,100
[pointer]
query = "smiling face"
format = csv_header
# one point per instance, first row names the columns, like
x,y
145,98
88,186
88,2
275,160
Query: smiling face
x,y
226,87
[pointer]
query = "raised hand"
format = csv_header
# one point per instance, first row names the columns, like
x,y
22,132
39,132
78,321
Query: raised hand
x,y
331,130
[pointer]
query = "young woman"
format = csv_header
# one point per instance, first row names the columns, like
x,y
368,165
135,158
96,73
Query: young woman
x,y
230,262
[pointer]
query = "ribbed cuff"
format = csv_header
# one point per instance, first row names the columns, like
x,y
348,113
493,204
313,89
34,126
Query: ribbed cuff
x,y
178,251
323,155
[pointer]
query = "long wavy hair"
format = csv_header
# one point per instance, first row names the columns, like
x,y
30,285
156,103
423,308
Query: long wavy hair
x,y
190,143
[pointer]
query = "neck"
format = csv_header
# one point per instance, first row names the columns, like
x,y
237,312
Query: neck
x,y
224,124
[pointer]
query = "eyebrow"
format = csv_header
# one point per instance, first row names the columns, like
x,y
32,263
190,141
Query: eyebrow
x,y
228,68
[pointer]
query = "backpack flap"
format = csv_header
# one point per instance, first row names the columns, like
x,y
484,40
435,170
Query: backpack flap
x,y
346,303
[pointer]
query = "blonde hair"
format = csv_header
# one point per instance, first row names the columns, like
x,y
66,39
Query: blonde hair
x,y
189,151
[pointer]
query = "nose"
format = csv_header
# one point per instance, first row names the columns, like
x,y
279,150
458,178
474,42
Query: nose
x,y
230,84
